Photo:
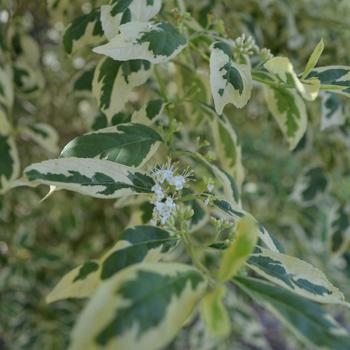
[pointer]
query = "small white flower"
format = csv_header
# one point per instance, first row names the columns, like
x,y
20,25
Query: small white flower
x,y
163,211
206,202
158,191
178,182
210,187
160,175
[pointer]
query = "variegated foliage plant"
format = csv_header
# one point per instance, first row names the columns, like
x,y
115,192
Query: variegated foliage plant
x,y
181,175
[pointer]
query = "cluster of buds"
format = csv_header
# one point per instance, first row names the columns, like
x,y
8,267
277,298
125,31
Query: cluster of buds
x,y
244,46
167,185
265,54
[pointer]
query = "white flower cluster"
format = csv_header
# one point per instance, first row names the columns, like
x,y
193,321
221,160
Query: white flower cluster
x,y
244,45
165,181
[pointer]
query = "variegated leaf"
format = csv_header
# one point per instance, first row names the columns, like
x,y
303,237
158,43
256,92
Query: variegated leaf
x,y
44,135
246,237
82,84
28,80
6,88
228,148
128,144
288,108
144,306
84,30
136,244
5,126
333,78
227,144
149,113
226,182
230,82
339,229
200,216
333,111
283,69
236,213
124,11
311,184
93,177
114,80
9,162
154,42
214,313
309,321
295,275
24,47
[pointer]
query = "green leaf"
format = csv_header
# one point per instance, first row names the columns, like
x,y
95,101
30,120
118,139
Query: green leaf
x,y
136,244
311,323
156,43
288,108
246,237
9,162
295,275
333,78
214,313
84,30
144,306
230,82
128,144
93,177
315,56
114,80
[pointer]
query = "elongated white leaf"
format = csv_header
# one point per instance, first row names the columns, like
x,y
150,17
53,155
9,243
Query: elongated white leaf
x,y
143,307
114,80
231,82
128,144
296,275
136,244
156,43
288,108
94,177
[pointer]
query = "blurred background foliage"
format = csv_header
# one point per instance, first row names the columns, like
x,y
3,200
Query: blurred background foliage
x,y
40,241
